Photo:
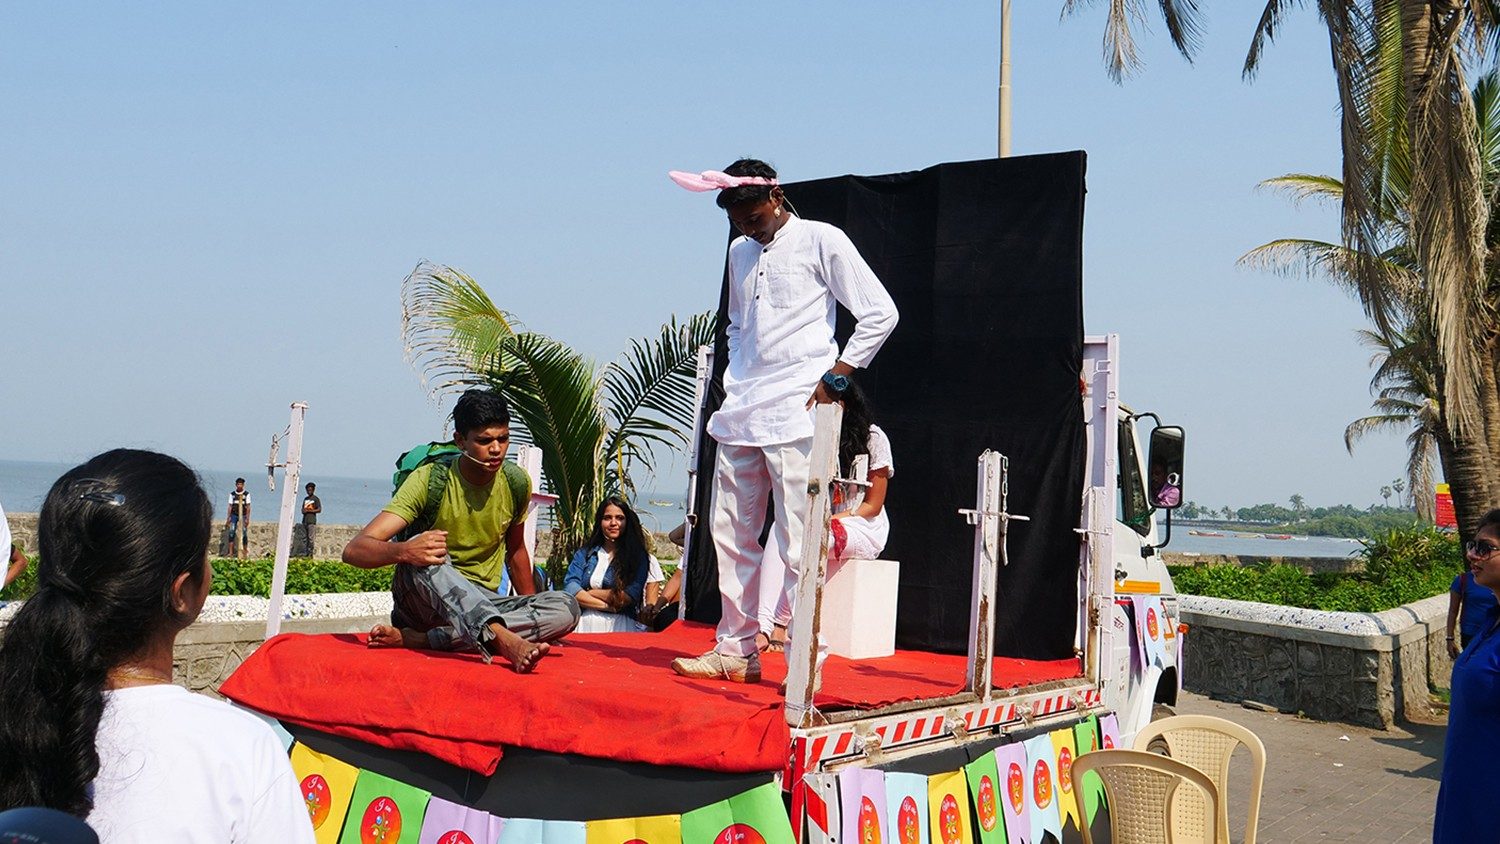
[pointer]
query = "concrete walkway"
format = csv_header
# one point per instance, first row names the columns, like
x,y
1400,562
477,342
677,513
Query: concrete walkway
x,y
1376,786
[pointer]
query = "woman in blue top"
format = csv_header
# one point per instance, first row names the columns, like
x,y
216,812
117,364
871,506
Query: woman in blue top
x,y
1465,812
609,575
1468,604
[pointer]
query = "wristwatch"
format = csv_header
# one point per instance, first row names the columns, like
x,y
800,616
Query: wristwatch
x,y
836,384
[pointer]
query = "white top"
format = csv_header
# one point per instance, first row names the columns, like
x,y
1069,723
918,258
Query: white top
x,y
180,767
783,298
879,446
601,564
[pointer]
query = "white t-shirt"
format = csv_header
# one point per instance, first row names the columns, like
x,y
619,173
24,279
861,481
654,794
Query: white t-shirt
x,y
4,542
601,565
180,767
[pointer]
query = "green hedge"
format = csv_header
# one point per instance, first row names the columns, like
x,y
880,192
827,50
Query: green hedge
x,y
1400,566
253,577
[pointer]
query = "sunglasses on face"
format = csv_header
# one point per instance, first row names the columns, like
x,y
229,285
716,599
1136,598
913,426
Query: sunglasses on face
x,y
1480,548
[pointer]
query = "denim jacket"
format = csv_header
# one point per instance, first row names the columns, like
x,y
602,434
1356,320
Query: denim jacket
x,y
582,567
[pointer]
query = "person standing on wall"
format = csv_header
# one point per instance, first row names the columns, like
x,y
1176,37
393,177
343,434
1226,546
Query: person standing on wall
x,y
312,505
787,275
239,520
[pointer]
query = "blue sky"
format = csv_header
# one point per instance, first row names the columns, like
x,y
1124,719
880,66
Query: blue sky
x,y
206,210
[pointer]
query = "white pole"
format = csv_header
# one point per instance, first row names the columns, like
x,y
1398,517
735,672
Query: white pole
x,y
1004,78
284,525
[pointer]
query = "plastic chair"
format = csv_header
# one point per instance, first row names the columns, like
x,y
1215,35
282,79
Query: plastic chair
x,y
1206,743
1144,791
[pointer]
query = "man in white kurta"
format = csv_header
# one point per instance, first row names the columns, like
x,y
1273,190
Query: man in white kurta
x,y
787,275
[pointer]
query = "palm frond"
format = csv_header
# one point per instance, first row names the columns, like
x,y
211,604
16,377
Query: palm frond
x,y
649,392
451,331
1265,33
1121,59
1303,186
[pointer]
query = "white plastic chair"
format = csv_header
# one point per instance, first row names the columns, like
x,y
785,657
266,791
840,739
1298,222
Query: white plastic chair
x,y
1207,743
1144,791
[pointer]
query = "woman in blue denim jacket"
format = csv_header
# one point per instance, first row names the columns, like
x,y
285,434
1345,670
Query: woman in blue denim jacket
x,y
609,575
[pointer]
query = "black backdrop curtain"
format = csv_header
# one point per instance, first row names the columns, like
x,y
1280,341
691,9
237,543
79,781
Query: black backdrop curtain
x,y
985,262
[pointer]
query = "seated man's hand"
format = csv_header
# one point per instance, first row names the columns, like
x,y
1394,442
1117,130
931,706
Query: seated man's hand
x,y
426,549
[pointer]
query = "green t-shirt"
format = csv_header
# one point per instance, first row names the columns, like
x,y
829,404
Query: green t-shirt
x,y
476,519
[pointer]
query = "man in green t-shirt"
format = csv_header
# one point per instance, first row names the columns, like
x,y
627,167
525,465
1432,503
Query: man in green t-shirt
x,y
446,578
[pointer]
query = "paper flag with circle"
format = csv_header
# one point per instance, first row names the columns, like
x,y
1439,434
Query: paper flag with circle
x,y
1011,767
862,799
1041,788
985,793
1151,623
327,785
384,811
819,797
1086,740
755,817
1065,751
450,823
948,809
906,808
657,829
1109,733
533,831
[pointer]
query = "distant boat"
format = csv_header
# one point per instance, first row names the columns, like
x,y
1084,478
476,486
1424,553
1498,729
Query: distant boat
x,y
1277,536
657,502
1205,533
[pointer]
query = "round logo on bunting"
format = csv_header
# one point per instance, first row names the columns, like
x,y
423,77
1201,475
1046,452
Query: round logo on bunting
x,y
948,821
869,822
1109,743
315,794
1015,786
985,804
1041,784
637,841
381,823
908,823
739,833
1065,770
1151,628
455,836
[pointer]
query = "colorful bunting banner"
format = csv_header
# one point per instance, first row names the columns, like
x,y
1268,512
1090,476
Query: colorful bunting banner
x,y
1042,788
1086,740
1109,733
906,808
384,811
948,809
984,788
1011,767
657,829
756,817
820,802
862,799
1064,750
327,785
533,831
450,823
1151,623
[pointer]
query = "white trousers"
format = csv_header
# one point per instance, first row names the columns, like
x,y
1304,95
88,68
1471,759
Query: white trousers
x,y
744,477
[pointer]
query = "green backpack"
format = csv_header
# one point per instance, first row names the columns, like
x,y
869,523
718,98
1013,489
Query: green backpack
x,y
442,456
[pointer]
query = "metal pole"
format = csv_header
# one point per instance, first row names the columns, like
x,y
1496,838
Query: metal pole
x,y
284,525
1004,78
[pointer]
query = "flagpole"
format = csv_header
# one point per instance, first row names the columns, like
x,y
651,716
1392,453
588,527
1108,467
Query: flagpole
x,y
1004,78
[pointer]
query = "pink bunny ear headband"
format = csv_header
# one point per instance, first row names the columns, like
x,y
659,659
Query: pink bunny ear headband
x,y
715,180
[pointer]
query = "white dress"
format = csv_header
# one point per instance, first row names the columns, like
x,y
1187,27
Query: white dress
x,y
866,537
599,621
180,767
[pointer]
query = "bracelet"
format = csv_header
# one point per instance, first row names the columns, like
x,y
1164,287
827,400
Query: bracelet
x,y
1450,638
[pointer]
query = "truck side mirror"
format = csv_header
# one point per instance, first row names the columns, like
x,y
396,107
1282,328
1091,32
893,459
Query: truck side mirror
x,y
1164,467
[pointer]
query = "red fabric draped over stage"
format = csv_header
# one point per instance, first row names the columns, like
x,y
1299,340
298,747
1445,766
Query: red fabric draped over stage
x,y
609,696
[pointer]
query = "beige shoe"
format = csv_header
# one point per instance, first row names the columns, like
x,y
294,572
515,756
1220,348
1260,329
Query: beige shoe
x,y
716,666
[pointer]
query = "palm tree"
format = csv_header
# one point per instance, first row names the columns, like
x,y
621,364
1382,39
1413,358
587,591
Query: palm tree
x,y
1120,58
1386,273
1298,503
1400,487
595,426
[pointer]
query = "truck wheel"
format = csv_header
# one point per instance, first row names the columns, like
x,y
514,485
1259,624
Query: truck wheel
x,y
1159,745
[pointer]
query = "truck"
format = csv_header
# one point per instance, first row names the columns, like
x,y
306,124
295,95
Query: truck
x,y
1024,504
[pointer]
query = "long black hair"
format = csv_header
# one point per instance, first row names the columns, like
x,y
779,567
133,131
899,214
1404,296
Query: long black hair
x,y
630,557
114,535
854,437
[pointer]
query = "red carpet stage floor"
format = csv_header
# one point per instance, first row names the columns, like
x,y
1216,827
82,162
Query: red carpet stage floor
x,y
609,696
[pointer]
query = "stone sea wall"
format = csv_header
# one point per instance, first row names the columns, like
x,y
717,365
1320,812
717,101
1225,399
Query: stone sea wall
x,y
1371,669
